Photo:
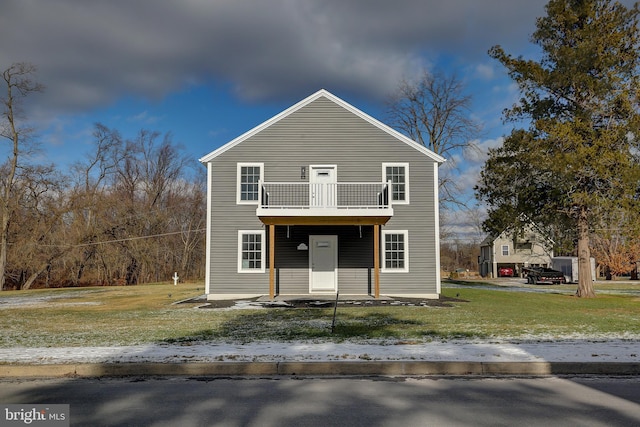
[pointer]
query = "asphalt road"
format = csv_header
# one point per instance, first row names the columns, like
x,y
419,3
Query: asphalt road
x,y
375,401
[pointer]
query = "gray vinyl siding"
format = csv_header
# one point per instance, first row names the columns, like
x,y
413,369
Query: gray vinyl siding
x,y
418,218
322,133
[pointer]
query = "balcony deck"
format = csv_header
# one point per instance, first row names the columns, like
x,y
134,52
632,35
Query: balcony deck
x,y
359,203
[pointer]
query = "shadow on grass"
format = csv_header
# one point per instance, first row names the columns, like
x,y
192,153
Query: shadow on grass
x,y
285,324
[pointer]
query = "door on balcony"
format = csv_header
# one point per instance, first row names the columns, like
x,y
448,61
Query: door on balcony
x,y
323,260
322,186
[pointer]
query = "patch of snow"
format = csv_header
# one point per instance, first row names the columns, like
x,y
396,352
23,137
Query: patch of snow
x,y
468,351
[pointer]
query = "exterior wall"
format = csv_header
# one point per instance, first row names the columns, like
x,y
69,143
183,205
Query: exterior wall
x,y
420,220
322,133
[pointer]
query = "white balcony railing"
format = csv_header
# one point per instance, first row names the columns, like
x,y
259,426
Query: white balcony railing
x,y
342,198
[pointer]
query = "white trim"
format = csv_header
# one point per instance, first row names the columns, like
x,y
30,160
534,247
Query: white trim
x,y
383,250
220,297
239,167
323,166
328,198
208,239
263,242
406,183
436,216
324,93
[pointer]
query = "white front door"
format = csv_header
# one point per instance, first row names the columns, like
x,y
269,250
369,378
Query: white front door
x,y
323,263
322,186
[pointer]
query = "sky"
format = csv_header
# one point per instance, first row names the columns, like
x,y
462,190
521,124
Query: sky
x,y
209,70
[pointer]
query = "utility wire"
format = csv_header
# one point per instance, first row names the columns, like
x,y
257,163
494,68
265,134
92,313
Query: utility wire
x,y
81,245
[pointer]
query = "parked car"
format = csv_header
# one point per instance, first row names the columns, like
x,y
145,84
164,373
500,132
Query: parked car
x,y
537,275
505,272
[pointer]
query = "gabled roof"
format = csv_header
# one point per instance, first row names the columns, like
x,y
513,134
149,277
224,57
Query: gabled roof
x,y
525,221
326,94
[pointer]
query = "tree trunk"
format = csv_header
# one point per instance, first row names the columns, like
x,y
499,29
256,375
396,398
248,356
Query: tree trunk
x,y
133,272
585,281
3,256
31,280
8,186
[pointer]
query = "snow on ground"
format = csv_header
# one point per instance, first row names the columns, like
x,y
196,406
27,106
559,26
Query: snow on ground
x,y
549,349
470,351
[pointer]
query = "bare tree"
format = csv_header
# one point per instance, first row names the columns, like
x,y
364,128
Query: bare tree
x,y
18,84
37,226
434,111
93,178
147,182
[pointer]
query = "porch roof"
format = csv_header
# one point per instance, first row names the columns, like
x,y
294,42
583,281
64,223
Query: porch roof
x,y
290,219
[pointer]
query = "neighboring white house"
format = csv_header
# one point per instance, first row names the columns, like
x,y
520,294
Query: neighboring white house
x,y
513,251
320,199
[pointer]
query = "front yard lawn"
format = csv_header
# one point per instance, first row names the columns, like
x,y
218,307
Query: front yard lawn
x,y
112,316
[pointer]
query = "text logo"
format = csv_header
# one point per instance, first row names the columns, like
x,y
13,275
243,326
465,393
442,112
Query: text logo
x,y
34,415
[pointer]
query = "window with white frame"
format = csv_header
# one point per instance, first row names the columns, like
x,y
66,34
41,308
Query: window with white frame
x,y
398,174
395,253
249,175
251,249
505,250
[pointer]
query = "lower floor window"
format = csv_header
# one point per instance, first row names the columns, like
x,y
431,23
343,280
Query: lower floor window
x,y
396,251
251,251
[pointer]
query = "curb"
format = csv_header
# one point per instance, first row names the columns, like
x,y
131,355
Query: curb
x,y
372,368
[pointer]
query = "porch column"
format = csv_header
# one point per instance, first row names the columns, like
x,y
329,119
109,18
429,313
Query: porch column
x,y
272,259
376,261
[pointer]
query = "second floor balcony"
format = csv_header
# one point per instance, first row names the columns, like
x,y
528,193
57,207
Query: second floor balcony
x,y
349,201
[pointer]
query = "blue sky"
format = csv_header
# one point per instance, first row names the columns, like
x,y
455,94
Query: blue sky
x,y
209,70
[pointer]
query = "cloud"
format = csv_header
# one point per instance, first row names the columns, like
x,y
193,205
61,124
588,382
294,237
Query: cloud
x,y
91,53
144,118
479,151
485,71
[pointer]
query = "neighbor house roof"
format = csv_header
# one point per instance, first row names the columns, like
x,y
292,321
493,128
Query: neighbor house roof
x,y
326,94
525,221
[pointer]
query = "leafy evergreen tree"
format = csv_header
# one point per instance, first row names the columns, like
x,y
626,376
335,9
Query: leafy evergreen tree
x,y
579,157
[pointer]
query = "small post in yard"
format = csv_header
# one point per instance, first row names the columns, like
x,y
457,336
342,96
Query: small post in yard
x,y
335,309
175,279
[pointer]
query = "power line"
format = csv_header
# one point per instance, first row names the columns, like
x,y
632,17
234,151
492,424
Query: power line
x,y
81,245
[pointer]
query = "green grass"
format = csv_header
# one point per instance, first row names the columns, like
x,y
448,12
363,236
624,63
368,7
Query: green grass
x,y
146,314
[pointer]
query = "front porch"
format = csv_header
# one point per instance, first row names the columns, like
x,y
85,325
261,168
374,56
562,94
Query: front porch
x,y
321,259
324,204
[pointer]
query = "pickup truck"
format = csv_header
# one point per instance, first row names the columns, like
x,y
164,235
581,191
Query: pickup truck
x,y
536,275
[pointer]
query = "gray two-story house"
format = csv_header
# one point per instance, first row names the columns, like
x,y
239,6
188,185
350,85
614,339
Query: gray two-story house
x,y
322,199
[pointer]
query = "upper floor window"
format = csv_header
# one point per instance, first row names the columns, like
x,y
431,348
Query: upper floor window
x,y
505,250
249,174
398,174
